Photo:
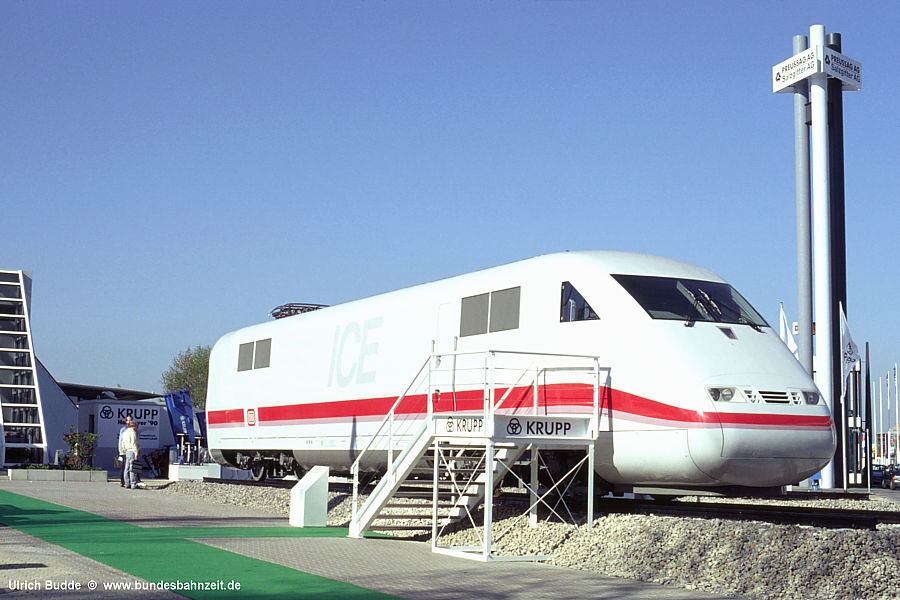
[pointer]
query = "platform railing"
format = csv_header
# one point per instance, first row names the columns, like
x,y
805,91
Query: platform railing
x,y
499,374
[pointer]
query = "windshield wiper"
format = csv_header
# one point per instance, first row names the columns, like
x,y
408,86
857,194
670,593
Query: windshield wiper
x,y
741,319
695,304
710,304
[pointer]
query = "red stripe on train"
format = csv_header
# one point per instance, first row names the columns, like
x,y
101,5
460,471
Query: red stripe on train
x,y
553,396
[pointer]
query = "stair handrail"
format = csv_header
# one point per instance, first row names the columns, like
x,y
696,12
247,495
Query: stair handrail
x,y
388,419
390,414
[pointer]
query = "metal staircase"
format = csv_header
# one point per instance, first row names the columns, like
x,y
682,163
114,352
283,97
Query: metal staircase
x,y
449,463
442,490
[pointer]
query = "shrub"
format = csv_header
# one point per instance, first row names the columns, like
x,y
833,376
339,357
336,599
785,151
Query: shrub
x,y
81,449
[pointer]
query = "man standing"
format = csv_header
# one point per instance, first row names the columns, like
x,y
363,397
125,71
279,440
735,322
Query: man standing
x,y
122,452
132,447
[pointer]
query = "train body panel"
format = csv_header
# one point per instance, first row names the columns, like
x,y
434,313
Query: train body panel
x,y
707,398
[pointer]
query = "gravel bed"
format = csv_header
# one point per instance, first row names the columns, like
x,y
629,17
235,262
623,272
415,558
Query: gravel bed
x,y
267,499
749,559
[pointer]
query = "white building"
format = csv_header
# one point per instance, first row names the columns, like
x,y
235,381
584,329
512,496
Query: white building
x,y
38,411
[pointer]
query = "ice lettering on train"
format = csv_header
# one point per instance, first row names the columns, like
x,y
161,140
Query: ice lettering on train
x,y
350,349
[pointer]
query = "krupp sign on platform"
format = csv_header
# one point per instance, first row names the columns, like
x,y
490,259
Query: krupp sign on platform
x,y
560,428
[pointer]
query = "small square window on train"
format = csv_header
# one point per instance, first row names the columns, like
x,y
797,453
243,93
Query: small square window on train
x,y
490,312
473,318
573,306
245,357
263,353
505,309
255,355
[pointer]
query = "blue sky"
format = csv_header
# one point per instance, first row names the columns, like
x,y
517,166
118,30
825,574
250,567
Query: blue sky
x,y
172,171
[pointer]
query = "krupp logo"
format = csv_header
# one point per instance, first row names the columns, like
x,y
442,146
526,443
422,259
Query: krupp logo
x,y
106,412
449,424
251,417
514,427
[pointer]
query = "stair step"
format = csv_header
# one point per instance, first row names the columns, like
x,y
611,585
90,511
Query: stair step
x,y
422,515
429,495
425,495
467,470
474,445
446,504
400,527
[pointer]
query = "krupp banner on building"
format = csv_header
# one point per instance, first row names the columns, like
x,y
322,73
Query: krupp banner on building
x,y
111,418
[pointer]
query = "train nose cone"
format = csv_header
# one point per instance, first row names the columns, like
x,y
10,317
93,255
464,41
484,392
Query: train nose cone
x,y
764,450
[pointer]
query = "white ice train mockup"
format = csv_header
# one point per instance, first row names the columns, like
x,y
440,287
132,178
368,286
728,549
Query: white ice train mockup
x,y
701,393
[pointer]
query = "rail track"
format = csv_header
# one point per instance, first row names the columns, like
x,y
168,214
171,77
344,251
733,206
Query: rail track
x,y
274,483
749,511
784,515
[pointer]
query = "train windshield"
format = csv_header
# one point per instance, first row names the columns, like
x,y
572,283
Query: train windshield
x,y
690,300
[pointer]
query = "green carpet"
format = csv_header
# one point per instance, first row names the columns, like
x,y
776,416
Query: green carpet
x,y
164,554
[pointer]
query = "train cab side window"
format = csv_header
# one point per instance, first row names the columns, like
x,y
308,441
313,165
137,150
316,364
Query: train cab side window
x,y
254,355
263,354
573,306
473,319
505,309
245,357
496,311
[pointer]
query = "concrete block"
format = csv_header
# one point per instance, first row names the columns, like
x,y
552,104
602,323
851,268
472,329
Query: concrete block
x,y
18,474
76,475
99,476
309,499
193,472
44,475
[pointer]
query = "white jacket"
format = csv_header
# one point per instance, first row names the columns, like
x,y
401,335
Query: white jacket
x,y
129,441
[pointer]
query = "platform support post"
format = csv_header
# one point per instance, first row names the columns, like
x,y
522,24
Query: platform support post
x,y
533,499
590,486
488,496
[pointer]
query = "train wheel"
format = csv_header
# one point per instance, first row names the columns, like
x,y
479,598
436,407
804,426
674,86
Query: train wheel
x,y
258,470
367,478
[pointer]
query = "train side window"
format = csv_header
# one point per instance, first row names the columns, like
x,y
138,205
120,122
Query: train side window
x,y
263,353
254,355
505,309
473,319
245,357
573,306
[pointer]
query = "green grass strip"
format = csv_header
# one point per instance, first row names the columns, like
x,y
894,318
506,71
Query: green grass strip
x,y
163,554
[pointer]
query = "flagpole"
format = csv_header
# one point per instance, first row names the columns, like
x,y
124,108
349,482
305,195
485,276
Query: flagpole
x,y
881,411
896,412
887,377
843,411
870,421
875,419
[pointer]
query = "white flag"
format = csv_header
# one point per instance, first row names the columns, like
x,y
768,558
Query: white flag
x,y
784,330
849,351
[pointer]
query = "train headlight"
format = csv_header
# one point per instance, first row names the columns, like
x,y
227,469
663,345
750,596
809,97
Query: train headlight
x,y
811,398
723,394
